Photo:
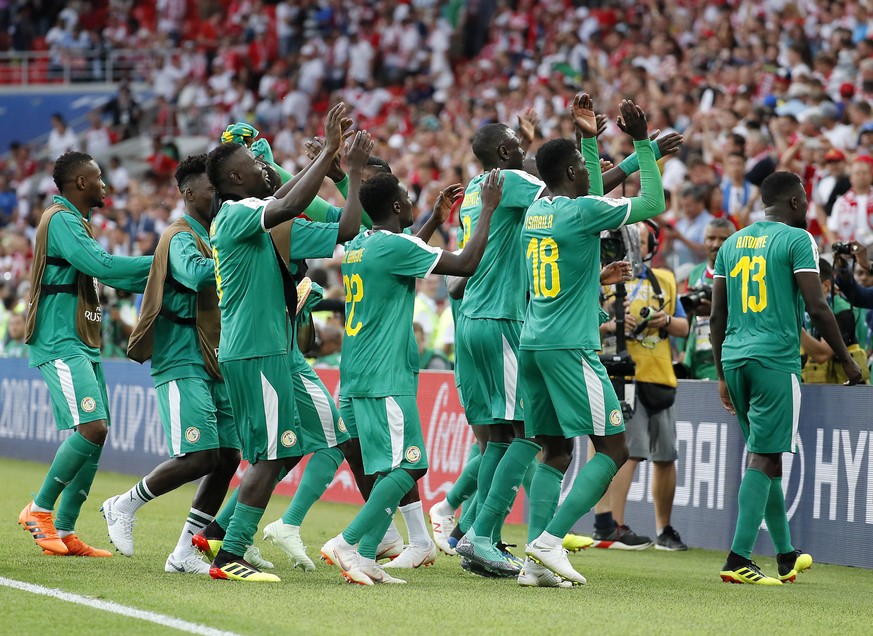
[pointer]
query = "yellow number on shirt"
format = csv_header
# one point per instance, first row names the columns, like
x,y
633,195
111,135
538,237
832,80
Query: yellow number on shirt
x,y
217,273
756,269
465,235
543,256
354,287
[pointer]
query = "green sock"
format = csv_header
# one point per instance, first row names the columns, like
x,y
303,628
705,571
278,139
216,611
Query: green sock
x,y
504,486
383,501
467,480
751,504
316,478
527,480
69,459
777,519
588,487
226,514
494,452
242,528
543,495
468,514
76,493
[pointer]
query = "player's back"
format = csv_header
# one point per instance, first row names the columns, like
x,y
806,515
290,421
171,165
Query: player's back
x,y
379,352
764,304
497,289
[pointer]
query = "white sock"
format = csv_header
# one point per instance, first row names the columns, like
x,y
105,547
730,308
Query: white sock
x,y
65,533
413,515
391,535
659,532
134,499
549,540
444,508
196,521
35,508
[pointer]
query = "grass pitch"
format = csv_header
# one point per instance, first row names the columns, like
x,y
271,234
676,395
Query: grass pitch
x,y
649,592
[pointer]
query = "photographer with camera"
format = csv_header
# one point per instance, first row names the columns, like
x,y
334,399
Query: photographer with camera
x,y
820,366
849,259
697,303
653,315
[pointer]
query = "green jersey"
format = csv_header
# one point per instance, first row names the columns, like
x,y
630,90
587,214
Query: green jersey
x,y
176,352
254,321
496,290
764,305
55,335
310,239
379,354
561,243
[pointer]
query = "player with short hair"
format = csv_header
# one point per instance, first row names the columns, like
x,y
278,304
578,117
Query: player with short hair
x,y
64,338
178,331
380,359
764,274
257,297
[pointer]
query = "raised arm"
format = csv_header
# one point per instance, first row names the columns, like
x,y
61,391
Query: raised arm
x,y
650,202
442,209
357,154
585,124
465,262
296,195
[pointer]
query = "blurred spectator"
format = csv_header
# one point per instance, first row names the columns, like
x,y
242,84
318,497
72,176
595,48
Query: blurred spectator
x,y
13,344
427,308
687,234
98,138
852,215
61,138
328,347
739,196
8,202
429,358
125,113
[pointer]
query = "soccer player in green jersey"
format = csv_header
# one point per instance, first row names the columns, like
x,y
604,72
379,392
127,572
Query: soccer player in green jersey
x,y
380,359
764,274
63,333
566,390
194,406
256,297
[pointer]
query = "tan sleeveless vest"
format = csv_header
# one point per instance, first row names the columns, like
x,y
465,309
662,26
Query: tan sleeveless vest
x,y
208,318
88,312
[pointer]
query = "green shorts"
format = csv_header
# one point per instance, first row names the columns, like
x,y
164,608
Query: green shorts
x,y
77,390
567,393
319,420
262,398
487,353
196,416
767,402
390,432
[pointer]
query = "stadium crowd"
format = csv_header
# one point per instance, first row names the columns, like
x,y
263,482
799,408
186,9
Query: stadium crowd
x,y
752,86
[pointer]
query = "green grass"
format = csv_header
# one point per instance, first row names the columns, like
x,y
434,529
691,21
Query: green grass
x,y
646,592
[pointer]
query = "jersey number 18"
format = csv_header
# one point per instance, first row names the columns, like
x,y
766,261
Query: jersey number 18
x,y
543,258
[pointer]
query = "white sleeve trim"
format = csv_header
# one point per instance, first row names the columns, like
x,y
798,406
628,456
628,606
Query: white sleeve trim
x,y
616,202
806,269
417,241
434,264
719,276
527,176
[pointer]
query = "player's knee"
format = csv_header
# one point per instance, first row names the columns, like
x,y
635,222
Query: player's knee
x,y
95,432
201,463
228,459
620,454
501,434
416,473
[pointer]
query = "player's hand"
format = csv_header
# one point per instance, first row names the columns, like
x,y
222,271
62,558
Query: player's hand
x,y
492,190
358,151
584,119
527,127
726,398
616,272
442,208
602,120
335,126
852,371
632,120
669,143
606,166
313,147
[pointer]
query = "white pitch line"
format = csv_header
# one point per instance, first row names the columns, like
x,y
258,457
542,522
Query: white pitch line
x,y
116,608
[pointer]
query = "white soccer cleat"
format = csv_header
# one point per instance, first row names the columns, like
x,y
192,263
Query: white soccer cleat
x,y
442,525
339,553
535,575
390,548
555,559
253,556
119,525
364,570
414,556
191,564
288,539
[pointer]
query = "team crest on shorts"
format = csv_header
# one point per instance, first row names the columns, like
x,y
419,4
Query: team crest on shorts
x,y
88,404
413,454
192,434
615,417
341,425
289,439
